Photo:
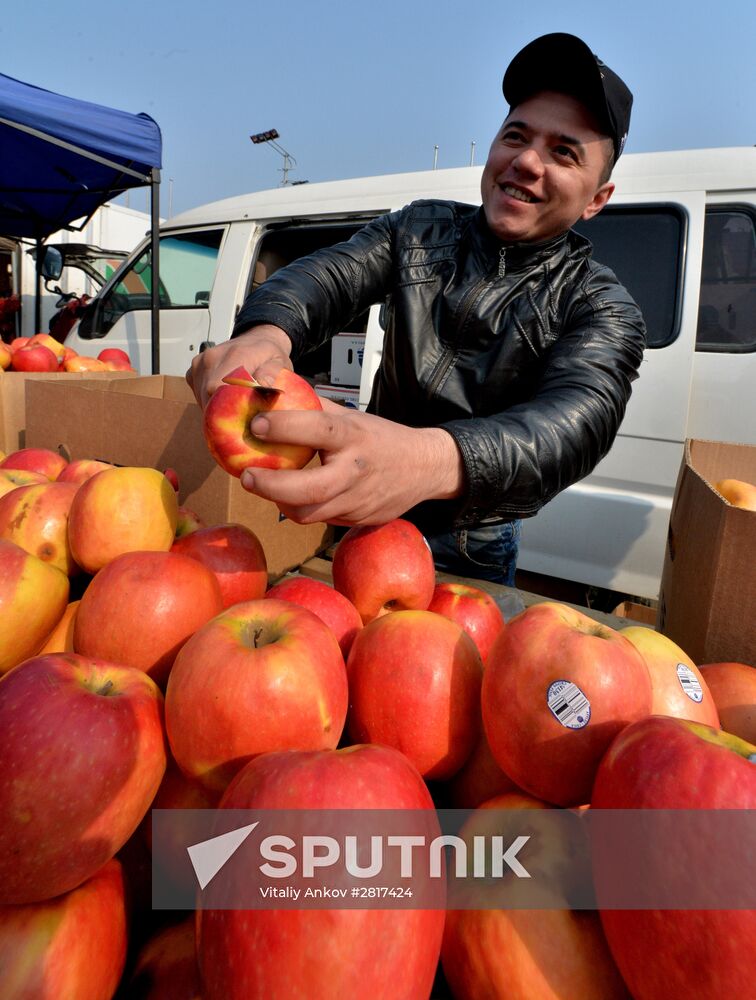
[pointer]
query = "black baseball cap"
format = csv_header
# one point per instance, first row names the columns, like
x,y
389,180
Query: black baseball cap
x,y
565,64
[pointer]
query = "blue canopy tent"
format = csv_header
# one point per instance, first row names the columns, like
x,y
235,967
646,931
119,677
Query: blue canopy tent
x,y
61,159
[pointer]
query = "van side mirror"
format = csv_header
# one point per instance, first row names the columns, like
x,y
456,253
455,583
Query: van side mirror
x,y
51,266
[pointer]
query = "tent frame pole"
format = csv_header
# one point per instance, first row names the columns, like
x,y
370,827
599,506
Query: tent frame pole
x,y
155,252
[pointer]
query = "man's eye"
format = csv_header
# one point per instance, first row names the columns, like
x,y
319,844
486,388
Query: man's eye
x,y
565,151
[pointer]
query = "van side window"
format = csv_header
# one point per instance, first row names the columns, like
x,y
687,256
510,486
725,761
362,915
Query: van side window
x,y
727,305
644,248
187,269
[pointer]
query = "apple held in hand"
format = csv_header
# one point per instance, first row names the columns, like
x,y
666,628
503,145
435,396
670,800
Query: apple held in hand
x,y
72,947
83,755
380,954
33,597
472,608
234,554
383,568
119,510
733,688
263,675
338,613
140,609
557,689
414,684
232,407
674,764
36,518
677,686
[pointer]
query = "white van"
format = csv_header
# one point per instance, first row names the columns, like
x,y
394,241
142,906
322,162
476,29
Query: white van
x,y
680,232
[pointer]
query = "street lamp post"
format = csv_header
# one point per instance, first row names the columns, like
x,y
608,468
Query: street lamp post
x,y
270,137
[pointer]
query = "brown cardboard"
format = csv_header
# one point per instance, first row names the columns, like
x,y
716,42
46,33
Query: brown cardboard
x,y
154,421
13,400
707,603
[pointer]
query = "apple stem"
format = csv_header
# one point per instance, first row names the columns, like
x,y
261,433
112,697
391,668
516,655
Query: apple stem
x,y
106,688
258,633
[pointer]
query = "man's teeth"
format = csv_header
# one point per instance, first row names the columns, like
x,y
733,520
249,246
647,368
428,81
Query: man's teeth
x,y
514,192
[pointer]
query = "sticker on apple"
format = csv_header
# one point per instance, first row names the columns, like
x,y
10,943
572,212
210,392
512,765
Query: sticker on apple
x,y
689,683
568,704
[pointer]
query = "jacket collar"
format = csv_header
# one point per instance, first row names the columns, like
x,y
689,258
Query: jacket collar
x,y
520,255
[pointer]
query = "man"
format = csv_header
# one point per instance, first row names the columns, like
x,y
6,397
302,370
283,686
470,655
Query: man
x,y
508,356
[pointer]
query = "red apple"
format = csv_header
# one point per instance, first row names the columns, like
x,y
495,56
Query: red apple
x,y
36,518
34,358
141,608
49,342
82,469
233,406
479,780
339,614
60,640
677,686
472,608
557,689
264,675
733,688
234,554
11,479
377,953
414,684
187,522
73,946
114,354
172,476
17,343
33,597
166,967
382,568
45,461
83,751
525,954
673,764
119,510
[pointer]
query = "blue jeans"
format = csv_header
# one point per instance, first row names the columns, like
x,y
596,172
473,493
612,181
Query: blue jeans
x,y
488,552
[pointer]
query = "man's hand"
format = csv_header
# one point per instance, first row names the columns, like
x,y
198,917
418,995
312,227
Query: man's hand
x,y
372,470
263,351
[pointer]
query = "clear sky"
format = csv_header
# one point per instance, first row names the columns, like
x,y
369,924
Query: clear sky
x,y
357,88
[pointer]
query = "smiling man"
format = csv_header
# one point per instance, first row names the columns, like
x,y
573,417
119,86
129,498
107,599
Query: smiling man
x,y
509,352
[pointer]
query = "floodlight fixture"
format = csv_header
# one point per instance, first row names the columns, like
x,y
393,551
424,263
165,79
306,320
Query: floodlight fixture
x,y
270,137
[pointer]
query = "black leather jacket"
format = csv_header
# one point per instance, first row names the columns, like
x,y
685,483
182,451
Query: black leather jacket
x,y
524,353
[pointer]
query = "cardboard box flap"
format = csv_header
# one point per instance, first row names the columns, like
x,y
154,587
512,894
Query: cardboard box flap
x,y
716,460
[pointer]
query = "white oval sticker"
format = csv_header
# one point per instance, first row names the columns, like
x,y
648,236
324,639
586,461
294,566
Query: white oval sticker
x,y
689,683
568,704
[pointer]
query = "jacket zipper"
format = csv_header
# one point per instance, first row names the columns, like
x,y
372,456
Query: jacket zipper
x,y
445,364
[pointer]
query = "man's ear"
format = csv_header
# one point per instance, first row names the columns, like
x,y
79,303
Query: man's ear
x,y
597,202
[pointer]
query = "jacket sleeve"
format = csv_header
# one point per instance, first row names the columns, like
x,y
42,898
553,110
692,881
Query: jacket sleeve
x,y
519,459
316,296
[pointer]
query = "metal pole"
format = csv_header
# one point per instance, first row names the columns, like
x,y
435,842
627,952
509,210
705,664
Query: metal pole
x,y
155,289
435,157
38,290
472,153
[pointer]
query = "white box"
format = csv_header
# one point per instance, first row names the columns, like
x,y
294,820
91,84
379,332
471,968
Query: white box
x,y
345,395
347,350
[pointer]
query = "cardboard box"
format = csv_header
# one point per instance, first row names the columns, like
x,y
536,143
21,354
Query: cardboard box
x,y
347,352
13,401
343,394
707,603
155,421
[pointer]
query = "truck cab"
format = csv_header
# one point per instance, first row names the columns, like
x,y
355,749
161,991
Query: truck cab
x,y
680,233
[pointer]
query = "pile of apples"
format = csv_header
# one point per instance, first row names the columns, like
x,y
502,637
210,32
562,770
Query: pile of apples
x,y
43,353
148,663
